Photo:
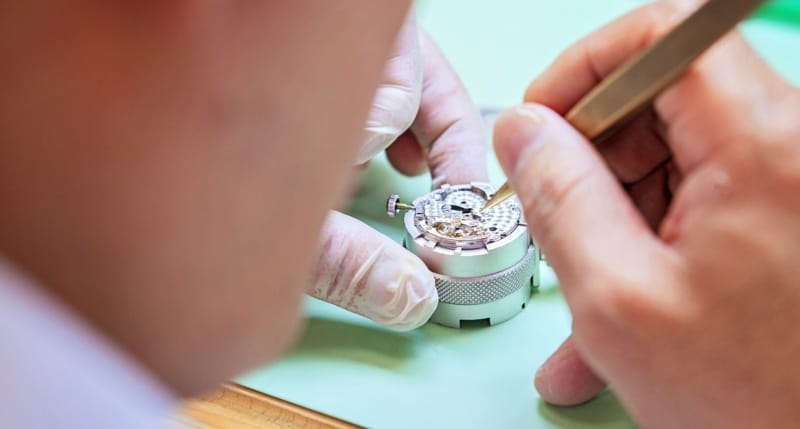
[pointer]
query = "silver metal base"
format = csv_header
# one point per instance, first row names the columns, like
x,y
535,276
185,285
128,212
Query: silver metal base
x,y
490,313
490,299
484,263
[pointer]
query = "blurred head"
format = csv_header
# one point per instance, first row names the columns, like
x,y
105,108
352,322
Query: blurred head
x,y
165,166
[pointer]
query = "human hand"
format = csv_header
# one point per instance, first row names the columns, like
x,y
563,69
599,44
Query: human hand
x,y
676,256
423,117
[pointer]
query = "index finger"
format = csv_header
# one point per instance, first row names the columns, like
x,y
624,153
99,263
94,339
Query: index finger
x,y
582,66
637,149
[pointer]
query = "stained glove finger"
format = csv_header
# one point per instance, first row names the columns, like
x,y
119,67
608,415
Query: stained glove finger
x,y
365,272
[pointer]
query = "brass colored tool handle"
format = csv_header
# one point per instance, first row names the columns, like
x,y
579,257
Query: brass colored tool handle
x,y
635,83
640,79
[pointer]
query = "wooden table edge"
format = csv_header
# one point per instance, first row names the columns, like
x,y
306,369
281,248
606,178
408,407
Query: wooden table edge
x,y
234,406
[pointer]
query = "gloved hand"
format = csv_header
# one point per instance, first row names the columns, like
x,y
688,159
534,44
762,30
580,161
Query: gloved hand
x,y
677,256
422,110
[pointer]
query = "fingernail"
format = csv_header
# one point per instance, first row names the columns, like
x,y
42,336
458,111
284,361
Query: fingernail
x,y
516,129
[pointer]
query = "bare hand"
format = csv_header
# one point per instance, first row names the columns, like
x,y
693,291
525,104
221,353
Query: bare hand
x,y
677,256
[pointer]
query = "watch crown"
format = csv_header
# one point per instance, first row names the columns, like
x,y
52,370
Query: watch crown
x,y
391,205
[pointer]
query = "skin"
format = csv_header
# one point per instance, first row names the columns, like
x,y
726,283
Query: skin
x,y
689,308
447,136
146,150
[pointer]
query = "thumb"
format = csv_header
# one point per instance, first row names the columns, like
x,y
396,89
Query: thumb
x,y
575,208
365,272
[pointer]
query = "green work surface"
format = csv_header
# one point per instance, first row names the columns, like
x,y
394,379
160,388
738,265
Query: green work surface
x,y
438,377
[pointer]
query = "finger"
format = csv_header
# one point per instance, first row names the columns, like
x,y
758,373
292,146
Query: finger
x,y
674,177
743,93
407,156
398,96
572,202
565,379
583,65
637,149
652,196
367,273
448,126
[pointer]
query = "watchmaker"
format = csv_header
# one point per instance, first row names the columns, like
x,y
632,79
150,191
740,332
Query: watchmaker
x,y
150,152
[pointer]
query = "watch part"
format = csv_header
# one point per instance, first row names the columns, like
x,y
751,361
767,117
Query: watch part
x,y
483,261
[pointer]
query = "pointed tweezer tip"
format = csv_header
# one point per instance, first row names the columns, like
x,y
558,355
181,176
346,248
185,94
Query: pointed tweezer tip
x,y
501,195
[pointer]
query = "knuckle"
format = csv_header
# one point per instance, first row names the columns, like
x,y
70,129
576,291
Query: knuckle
x,y
455,155
616,302
395,106
409,95
626,304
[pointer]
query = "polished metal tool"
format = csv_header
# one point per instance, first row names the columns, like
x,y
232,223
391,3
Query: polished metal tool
x,y
636,82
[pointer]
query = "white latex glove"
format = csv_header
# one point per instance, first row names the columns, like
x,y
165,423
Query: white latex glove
x,y
424,118
398,96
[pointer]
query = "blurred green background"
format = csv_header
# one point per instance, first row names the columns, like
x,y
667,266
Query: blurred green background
x,y
497,47
781,11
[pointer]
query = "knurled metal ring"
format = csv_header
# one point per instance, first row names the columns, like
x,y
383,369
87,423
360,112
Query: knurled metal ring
x,y
483,289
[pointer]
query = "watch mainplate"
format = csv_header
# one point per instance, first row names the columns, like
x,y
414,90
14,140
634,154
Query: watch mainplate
x,y
451,217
